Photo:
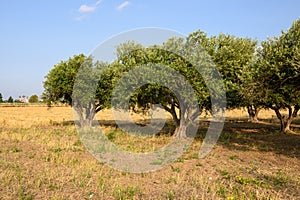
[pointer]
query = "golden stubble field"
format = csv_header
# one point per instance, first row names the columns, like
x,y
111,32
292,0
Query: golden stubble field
x,y
42,157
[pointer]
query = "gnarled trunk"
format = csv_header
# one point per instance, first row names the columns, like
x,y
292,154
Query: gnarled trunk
x,y
253,113
181,130
187,123
85,115
285,122
172,111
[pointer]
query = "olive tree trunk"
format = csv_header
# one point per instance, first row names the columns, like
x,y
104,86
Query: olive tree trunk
x,y
286,121
85,114
253,113
181,130
185,121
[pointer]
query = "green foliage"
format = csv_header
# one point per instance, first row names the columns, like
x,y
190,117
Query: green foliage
x,y
76,82
170,195
10,100
225,174
1,98
24,195
111,136
33,99
277,78
267,76
122,193
60,80
233,57
17,101
172,64
280,179
175,169
233,157
279,68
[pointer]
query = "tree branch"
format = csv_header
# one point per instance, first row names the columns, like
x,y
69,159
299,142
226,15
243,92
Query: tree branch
x,y
172,111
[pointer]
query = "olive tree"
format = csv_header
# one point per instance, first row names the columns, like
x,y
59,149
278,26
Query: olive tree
x,y
279,75
234,58
71,82
182,55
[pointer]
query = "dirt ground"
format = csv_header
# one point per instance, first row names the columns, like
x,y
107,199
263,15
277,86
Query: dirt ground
x,y
42,157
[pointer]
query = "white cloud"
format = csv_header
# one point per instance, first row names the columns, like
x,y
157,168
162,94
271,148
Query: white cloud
x,y
86,9
123,5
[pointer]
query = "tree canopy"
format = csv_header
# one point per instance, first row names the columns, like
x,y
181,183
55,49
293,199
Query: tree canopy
x,y
253,77
172,91
33,99
277,80
79,72
233,56
10,99
60,80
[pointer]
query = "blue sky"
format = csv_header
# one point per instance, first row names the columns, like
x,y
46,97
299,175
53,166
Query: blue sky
x,y
35,35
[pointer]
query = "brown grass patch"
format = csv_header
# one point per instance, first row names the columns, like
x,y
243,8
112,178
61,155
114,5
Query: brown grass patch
x,y
41,157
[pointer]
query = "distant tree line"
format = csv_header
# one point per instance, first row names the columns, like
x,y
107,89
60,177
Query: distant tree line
x,y
22,99
9,100
255,76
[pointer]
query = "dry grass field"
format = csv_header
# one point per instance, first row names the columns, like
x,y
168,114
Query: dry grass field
x,y
42,157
